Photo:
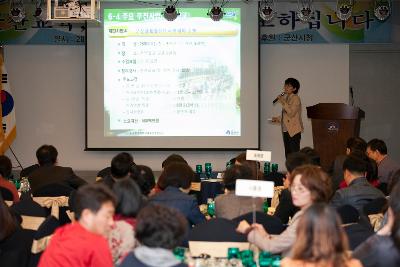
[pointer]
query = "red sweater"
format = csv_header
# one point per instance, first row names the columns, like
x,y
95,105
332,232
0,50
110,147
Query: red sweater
x,y
74,246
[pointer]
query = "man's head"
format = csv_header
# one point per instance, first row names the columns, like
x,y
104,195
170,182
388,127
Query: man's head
x,y
354,166
46,155
5,166
121,165
292,84
354,144
94,208
376,149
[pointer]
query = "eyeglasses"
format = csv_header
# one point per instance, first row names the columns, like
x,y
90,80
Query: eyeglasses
x,y
298,189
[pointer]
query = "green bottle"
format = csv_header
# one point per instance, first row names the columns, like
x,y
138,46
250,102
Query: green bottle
x,y
264,259
267,168
265,206
211,207
233,253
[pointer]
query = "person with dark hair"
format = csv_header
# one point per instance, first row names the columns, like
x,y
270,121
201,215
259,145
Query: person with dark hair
x,y
309,184
285,208
129,201
377,151
144,177
176,181
359,192
159,230
14,244
229,205
49,173
290,120
173,158
353,145
383,248
312,154
253,165
320,241
83,243
5,172
121,167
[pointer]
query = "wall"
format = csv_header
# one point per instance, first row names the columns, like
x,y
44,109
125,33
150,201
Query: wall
x,y
48,84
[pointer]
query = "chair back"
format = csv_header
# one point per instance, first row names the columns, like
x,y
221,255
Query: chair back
x,y
53,190
211,231
6,194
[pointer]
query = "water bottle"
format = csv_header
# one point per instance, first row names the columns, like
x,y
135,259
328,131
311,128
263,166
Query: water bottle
x,y
210,207
267,168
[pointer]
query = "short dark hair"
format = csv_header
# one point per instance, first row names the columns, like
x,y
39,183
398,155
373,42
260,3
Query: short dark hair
x,y
176,174
173,158
297,159
144,177
129,197
356,144
293,82
236,172
5,166
92,197
121,165
160,227
377,145
46,155
253,165
354,163
312,154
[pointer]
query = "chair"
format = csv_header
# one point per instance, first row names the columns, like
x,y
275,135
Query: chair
x,y
53,190
6,194
271,224
214,237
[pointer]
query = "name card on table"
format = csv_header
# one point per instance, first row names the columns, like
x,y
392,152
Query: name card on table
x,y
258,155
254,188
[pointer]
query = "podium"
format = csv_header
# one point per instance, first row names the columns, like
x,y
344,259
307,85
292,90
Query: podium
x,y
332,124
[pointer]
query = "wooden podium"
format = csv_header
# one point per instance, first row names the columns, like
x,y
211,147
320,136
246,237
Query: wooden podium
x,y
332,124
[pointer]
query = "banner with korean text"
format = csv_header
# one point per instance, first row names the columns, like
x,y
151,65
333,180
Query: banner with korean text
x,y
325,26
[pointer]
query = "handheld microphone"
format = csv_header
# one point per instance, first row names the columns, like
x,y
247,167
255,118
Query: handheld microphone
x,y
276,99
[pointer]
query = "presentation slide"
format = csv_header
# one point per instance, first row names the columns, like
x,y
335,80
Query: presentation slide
x,y
189,83
177,78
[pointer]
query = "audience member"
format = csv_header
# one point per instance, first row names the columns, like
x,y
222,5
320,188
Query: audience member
x,y
5,172
377,150
83,243
285,208
229,205
49,173
14,244
308,184
129,201
158,230
253,165
321,241
383,248
173,158
144,177
353,144
312,154
176,181
359,192
121,167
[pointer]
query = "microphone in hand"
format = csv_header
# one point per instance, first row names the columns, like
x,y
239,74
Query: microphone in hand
x,y
276,99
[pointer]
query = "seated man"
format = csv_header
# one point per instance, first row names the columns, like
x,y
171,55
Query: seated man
x,y
377,150
49,173
359,192
83,243
121,167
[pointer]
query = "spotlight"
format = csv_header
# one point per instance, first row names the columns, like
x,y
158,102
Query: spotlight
x,y
170,13
305,10
344,9
382,9
216,13
267,10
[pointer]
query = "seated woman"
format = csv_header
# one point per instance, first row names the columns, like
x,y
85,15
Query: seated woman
x,y
159,230
229,205
144,177
308,184
257,174
383,248
321,241
176,181
129,201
